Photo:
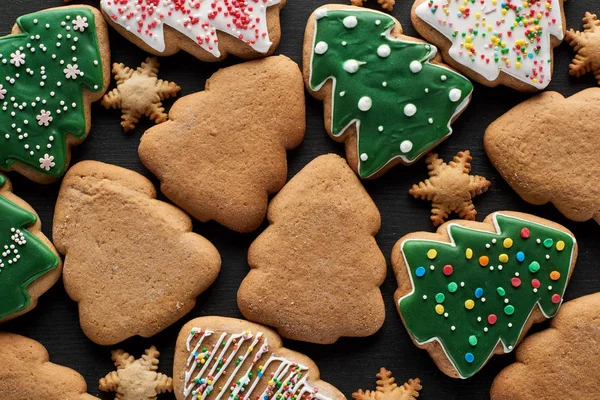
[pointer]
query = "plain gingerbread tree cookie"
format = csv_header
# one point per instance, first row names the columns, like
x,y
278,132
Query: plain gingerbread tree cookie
x,y
560,362
27,373
316,270
223,150
131,262
227,358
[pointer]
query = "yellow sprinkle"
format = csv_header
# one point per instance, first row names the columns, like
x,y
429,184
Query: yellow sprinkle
x,y
503,258
539,16
508,242
469,254
469,304
490,28
478,15
494,2
431,254
504,11
518,64
439,309
469,39
560,245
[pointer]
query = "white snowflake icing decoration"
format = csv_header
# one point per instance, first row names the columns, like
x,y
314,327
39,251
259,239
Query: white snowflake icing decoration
x,y
44,118
72,71
2,92
47,162
17,58
80,23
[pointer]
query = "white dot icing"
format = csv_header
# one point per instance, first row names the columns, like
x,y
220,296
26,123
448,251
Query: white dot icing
x,y
321,48
415,67
406,146
410,110
350,22
454,95
365,103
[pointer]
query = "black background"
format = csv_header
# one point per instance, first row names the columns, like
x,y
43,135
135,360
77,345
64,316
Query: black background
x,y
349,364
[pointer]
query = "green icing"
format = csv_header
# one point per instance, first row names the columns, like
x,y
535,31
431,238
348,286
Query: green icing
x,y
34,257
387,84
469,338
42,72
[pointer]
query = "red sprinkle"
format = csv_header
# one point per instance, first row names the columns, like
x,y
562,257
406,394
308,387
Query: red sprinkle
x,y
492,319
556,298
535,283
447,270
516,282
525,233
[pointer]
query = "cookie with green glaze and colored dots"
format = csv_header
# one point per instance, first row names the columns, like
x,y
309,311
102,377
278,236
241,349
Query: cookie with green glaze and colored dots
x,y
53,65
29,263
473,289
386,95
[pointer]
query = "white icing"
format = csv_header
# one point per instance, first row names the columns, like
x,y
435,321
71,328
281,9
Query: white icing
x,y
365,103
454,95
384,51
415,66
320,13
489,17
350,22
410,110
351,66
247,21
321,48
406,146
223,373
364,156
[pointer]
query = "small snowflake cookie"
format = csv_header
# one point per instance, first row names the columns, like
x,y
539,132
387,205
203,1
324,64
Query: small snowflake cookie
x,y
473,289
227,358
27,373
29,263
388,389
207,29
587,45
387,96
506,42
51,68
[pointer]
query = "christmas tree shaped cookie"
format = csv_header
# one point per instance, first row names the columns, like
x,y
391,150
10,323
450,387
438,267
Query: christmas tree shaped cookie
x,y
316,270
207,29
387,96
227,358
29,264
52,67
474,289
27,373
495,42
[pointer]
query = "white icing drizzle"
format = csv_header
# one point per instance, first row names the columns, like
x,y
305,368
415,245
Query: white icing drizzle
x,y
211,376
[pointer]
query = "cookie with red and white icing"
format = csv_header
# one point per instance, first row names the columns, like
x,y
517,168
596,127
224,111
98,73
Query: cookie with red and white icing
x,y
207,29
227,358
494,42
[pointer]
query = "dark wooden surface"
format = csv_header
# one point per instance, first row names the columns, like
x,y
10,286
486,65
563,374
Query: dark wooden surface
x,y
351,363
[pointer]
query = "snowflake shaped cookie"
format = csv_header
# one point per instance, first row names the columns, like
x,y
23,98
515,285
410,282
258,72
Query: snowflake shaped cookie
x,y
587,46
387,389
139,92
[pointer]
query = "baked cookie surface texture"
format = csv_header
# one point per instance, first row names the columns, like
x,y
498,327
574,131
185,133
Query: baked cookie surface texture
x,y
473,289
587,45
509,42
316,270
552,155
27,257
569,349
223,358
131,262
386,95
54,64
223,150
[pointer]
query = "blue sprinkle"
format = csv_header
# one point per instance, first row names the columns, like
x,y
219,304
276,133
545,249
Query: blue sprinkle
x,y
478,292
469,357
530,55
520,256
420,272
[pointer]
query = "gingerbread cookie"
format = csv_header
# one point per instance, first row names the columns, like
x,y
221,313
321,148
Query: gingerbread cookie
x,y
557,363
209,30
55,64
386,95
495,43
320,244
27,373
29,263
139,92
540,146
385,4
131,262
223,150
227,358
587,46
450,187
136,379
388,389
474,289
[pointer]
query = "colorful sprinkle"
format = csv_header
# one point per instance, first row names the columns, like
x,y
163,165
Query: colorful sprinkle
x,y
420,272
516,282
478,292
447,270
548,243
492,319
440,297
473,340
469,254
503,258
431,254
469,304
556,298
501,291
535,283
439,309
469,357
508,242
520,256
509,310
555,275
452,287
560,245
484,261
534,267
525,233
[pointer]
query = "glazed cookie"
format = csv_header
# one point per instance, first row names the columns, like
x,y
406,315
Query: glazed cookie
x,y
557,363
495,43
209,30
386,95
473,289
226,358
539,148
27,373
223,150
131,262
29,263
54,65
320,245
